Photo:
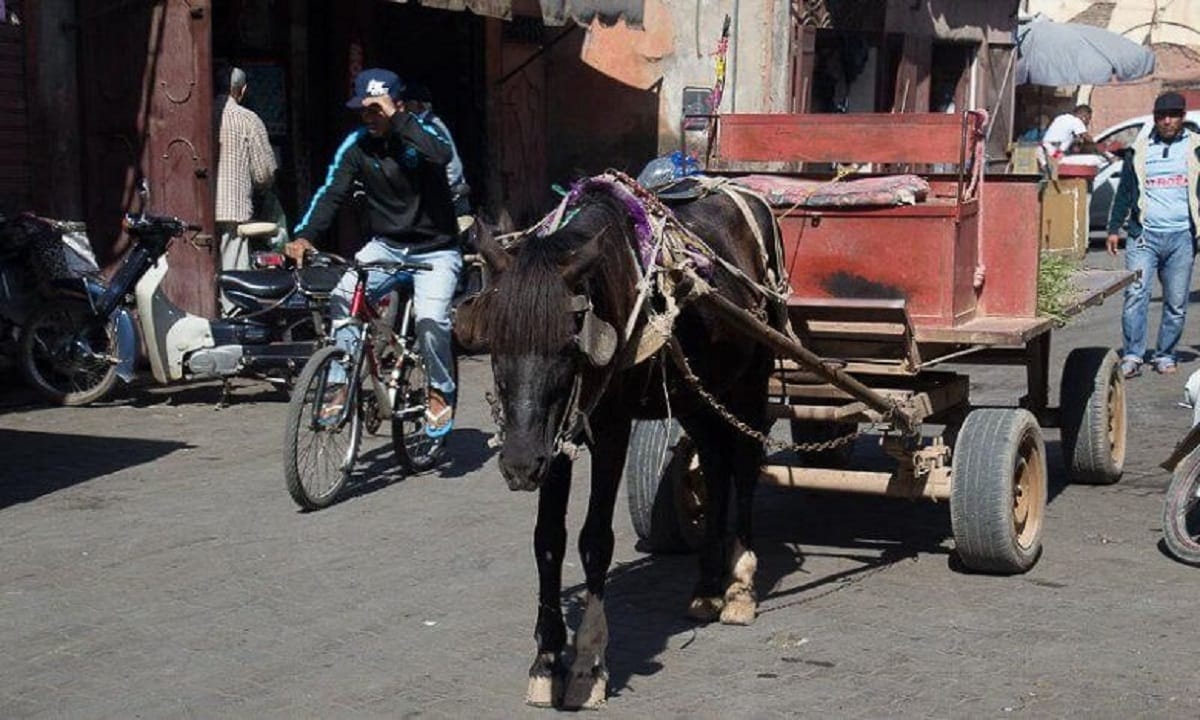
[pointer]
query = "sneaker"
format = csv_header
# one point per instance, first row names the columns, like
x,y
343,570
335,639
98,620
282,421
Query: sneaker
x,y
1165,366
1131,367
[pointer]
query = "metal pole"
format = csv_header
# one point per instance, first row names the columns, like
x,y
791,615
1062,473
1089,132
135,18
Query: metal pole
x,y
753,328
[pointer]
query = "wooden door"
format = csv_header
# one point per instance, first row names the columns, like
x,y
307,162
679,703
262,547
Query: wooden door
x,y
14,120
803,56
147,111
522,106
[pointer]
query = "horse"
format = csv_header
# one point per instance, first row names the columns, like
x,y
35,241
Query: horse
x,y
564,374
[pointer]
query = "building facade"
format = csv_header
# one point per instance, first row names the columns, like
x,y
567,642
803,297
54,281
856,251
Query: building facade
x,y
536,92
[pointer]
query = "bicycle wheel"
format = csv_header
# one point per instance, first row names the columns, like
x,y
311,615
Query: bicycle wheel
x,y
318,454
415,451
68,354
1181,511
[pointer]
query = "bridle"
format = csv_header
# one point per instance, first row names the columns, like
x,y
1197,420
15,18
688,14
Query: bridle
x,y
596,341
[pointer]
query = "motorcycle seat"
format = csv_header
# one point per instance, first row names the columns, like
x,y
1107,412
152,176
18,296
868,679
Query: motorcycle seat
x,y
257,230
320,280
270,284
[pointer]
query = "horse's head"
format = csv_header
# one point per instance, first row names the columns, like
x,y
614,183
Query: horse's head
x,y
546,340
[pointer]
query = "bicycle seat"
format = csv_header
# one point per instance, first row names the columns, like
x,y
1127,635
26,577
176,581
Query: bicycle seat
x,y
270,284
320,280
257,229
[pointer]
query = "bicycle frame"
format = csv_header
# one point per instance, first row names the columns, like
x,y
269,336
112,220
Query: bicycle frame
x,y
365,312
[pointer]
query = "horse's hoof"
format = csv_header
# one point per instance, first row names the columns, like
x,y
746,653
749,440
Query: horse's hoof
x,y
545,682
742,611
587,690
705,609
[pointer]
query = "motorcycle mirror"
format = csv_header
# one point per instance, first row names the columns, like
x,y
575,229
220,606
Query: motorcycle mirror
x,y
144,193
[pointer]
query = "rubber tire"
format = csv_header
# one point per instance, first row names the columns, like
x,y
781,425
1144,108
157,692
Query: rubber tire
x,y
1185,482
410,463
982,496
654,497
296,414
1090,375
806,432
80,313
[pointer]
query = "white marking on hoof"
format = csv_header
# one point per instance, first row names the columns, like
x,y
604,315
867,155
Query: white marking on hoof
x,y
587,690
545,686
705,609
741,610
741,605
587,683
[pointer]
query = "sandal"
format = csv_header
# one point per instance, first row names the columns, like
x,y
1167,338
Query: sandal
x,y
1165,366
437,424
1131,367
333,403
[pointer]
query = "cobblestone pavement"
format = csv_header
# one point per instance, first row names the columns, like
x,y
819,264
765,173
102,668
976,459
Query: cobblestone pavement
x,y
154,566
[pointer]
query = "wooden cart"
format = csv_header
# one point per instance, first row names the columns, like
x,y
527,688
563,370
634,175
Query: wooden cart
x,y
882,299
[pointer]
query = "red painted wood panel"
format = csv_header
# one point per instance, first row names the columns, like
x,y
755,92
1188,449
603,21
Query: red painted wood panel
x,y
1010,247
855,137
926,259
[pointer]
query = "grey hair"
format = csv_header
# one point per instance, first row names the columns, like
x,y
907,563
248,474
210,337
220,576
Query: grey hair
x,y
237,79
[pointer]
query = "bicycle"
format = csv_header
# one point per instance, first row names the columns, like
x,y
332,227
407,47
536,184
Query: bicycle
x,y
386,378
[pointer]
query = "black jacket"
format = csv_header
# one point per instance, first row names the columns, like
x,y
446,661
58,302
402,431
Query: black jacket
x,y
404,174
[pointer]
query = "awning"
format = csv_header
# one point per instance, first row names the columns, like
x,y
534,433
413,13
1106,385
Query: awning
x,y
554,12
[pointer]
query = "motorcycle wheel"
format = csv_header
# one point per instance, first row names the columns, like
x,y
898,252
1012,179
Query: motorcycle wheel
x,y
318,455
415,451
1181,511
67,354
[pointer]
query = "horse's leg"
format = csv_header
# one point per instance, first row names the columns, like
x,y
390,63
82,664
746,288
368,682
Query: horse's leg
x,y
711,440
587,682
741,602
549,546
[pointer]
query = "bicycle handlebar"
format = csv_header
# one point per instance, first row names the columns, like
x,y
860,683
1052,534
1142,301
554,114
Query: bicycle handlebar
x,y
393,267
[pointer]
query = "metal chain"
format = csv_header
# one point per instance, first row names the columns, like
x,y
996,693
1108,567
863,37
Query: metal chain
x,y
733,421
498,418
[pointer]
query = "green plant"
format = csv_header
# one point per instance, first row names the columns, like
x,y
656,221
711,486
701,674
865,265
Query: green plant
x,y
1054,286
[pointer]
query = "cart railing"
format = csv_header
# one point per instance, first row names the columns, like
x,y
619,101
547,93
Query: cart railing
x,y
909,142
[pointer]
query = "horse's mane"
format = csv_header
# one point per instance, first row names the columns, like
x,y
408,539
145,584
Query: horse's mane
x,y
529,313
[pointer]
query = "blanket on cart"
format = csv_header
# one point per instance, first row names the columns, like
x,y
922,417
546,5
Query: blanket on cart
x,y
885,191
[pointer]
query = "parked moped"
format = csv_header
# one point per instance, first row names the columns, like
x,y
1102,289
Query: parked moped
x,y
74,348
1181,504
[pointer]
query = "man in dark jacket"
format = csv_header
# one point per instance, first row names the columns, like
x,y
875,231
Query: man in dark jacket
x,y
402,166
1157,203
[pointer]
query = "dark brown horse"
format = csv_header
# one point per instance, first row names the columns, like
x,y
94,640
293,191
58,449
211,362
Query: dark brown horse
x,y
559,301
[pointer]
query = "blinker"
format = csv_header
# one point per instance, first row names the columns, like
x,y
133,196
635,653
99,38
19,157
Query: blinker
x,y
596,339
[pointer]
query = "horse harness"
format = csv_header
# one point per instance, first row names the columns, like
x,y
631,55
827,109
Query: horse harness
x,y
668,246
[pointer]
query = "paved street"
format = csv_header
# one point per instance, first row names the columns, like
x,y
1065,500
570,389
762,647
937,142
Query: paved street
x,y
154,566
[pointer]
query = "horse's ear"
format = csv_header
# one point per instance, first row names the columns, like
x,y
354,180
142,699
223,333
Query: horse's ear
x,y
582,260
492,251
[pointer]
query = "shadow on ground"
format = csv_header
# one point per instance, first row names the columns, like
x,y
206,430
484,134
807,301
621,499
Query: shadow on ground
x,y
39,463
466,452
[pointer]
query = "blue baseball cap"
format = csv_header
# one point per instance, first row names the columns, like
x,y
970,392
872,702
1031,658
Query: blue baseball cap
x,y
374,82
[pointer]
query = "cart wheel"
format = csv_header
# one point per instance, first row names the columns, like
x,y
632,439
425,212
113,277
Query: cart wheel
x,y
1092,404
667,497
810,432
998,495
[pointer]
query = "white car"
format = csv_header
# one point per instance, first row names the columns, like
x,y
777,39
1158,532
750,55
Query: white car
x,y
1113,140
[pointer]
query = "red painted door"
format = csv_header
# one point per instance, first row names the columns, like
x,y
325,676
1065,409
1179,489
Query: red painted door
x,y
146,91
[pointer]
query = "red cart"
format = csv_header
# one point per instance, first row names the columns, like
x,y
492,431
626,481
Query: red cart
x,y
882,299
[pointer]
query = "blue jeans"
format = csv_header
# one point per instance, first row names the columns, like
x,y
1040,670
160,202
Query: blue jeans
x,y
432,293
1169,256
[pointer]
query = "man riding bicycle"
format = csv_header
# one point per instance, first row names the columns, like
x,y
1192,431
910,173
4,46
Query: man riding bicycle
x,y
402,166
